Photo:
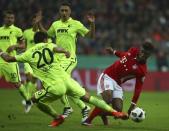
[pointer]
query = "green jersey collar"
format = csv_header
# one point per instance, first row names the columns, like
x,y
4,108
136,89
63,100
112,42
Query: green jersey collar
x,y
8,26
70,18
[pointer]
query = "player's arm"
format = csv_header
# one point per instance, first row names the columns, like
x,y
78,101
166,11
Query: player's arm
x,y
110,50
91,19
41,27
38,22
61,50
137,92
7,57
20,45
24,57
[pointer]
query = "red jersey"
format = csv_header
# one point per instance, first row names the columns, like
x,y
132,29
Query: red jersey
x,y
127,67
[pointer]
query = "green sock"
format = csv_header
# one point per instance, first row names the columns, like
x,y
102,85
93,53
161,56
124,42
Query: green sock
x,y
22,91
78,102
65,101
47,109
100,104
30,89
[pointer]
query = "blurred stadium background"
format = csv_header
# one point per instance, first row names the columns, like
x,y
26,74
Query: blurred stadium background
x,y
120,24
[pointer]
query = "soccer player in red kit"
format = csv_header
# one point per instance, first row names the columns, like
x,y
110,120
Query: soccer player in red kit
x,y
132,64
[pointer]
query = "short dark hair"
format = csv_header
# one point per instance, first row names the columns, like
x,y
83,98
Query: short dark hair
x,y
66,3
40,37
8,12
148,46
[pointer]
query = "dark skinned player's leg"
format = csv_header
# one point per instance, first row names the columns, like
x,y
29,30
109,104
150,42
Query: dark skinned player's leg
x,y
107,97
117,104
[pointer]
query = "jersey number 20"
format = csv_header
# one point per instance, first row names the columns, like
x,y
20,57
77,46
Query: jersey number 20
x,y
42,56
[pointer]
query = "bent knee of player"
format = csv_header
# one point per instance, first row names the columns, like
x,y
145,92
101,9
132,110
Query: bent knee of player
x,y
107,96
86,97
117,104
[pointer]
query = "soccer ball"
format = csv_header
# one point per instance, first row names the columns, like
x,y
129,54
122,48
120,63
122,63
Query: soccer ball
x,y
137,114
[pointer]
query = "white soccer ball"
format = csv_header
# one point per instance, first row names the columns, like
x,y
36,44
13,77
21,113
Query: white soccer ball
x,y
137,114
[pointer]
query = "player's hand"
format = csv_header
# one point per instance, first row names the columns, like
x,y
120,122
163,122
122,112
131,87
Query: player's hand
x,y
11,48
132,106
109,50
90,17
38,17
67,54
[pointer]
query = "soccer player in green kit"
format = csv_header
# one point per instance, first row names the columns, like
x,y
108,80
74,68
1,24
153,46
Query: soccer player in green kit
x,y
56,81
11,40
28,34
66,30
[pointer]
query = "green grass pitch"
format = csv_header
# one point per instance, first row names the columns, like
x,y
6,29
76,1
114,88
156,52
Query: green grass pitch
x,y
12,117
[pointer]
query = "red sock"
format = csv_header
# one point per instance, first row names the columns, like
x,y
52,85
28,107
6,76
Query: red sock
x,y
105,113
96,111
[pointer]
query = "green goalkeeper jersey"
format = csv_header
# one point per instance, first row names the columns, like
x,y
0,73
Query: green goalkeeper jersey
x,y
66,34
9,36
41,59
28,35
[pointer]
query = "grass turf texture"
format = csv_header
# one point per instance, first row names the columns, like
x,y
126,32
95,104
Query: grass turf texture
x,y
12,117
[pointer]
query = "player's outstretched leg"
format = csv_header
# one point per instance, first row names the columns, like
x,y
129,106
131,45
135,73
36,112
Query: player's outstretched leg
x,y
58,119
84,108
97,112
30,89
67,108
103,106
43,100
22,90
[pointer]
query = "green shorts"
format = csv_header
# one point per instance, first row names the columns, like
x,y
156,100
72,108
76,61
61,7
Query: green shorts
x,y
68,64
61,86
10,71
27,68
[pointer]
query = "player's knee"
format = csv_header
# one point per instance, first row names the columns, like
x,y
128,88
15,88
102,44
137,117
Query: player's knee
x,y
117,104
86,97
107,96
29,77
108,100
118,108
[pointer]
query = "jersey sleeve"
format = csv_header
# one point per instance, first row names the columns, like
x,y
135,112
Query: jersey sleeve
x,y
133,51
24,34
138,89
51,31
51,46
19,34
24,57
81,29
119,53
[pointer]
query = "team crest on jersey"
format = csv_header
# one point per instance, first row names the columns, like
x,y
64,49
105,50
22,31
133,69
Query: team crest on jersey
x,y
134,66
128,54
